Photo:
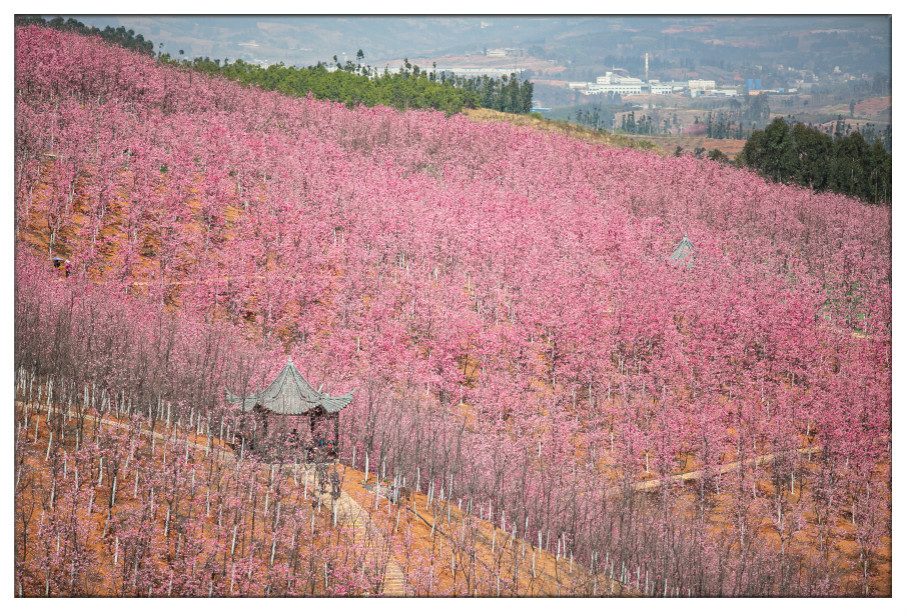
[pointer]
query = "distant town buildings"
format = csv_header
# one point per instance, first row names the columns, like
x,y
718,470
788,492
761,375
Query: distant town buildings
x,y
460,71
618,81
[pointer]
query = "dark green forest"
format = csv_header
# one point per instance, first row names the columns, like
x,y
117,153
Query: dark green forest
x,y
803,155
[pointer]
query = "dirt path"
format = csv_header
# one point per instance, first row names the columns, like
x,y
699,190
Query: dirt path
x,y
349,513
202,281
648,485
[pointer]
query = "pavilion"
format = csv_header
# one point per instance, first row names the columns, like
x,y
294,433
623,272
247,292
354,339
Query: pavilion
x,y
684,254
291,409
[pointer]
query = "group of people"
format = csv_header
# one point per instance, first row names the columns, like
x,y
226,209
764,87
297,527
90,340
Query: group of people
x,y
64,263
334,480
322,447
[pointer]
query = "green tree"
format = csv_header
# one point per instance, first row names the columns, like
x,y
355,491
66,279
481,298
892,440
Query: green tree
x,y
718,156
845,164
778,161
851,172
814,152
880,174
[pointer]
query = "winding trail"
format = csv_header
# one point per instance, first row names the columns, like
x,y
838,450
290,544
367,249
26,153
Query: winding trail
x,y
648,485
349,513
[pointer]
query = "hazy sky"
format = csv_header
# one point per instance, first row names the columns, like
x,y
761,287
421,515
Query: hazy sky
x,y
305,40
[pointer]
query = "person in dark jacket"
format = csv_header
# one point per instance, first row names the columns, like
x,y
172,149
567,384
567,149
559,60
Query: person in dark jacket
x,y
334,484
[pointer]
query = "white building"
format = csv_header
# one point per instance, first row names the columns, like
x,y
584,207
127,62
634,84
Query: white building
x,y
612,82
659,89
611,78
700,84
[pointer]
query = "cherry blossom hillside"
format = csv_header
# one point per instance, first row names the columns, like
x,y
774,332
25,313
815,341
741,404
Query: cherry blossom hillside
x,y
503,302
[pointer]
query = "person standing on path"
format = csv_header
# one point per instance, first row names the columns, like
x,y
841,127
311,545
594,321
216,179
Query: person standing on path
x,y
334,484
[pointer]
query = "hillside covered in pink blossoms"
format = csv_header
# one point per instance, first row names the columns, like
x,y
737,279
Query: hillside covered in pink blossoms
x,y
502,301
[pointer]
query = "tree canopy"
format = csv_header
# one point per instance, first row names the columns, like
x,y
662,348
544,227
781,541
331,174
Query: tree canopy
x,y
354,84
807,156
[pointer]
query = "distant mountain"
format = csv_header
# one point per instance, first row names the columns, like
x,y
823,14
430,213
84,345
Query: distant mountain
x,y
307,40
854,44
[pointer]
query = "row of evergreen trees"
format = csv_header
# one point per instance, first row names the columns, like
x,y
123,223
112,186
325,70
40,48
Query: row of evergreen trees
x,y
800,154
353,84
722,125
643,125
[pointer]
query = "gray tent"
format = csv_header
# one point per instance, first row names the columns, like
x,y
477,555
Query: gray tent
x,y
684,254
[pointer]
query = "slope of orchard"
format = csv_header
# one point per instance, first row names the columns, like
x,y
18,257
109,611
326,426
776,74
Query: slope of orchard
x,y
500,299
117,504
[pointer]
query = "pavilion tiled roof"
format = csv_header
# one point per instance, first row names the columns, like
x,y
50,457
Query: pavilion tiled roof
x,y
290,393
684,253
